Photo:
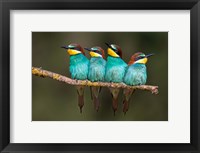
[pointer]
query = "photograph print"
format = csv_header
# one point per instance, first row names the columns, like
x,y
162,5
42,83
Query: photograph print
x,y
99,76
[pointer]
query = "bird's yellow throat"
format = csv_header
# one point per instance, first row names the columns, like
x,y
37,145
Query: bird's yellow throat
x,y
142,61
93,54
112,53
73,52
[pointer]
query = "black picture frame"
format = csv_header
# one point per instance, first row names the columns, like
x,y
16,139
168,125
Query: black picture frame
x,y
7,5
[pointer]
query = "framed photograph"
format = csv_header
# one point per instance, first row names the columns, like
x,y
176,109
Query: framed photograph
x,y
98,76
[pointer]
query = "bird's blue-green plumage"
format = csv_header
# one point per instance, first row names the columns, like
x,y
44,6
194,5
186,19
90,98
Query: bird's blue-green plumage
x,y
136,74
115,69
79,67
96,69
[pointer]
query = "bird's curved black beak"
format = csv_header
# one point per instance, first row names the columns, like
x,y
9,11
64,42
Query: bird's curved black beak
x,y
65,47
88,49
149,55
108,45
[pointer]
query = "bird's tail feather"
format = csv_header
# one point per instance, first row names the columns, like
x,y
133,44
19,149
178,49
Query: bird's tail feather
x,y
95,94
80,92
127,96
115,104
115,93
96,103
80,102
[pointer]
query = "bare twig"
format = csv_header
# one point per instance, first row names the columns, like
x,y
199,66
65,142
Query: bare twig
x,y
44,73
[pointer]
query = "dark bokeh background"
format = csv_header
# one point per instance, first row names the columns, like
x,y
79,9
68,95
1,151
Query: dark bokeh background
x,y
56,101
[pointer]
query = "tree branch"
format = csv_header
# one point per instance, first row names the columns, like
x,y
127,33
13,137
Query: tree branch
x,y
44,73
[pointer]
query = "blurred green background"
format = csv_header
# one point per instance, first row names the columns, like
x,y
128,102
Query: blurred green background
x,y
56,101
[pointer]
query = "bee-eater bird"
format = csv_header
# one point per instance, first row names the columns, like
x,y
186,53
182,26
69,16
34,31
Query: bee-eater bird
x,y
96,72
78,68
136,74
115,71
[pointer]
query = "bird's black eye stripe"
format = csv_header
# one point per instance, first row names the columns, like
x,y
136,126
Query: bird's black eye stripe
x,y
76,48
71,47
117,52
98,52
140,57
114,49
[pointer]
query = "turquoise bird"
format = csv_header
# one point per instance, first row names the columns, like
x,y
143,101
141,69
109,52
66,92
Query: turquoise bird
x,y
96,72
136,74
115,71
78,68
